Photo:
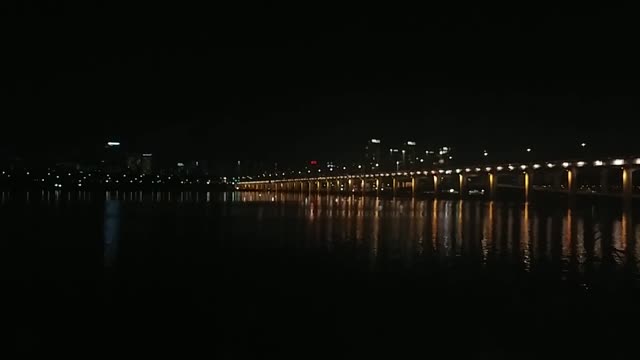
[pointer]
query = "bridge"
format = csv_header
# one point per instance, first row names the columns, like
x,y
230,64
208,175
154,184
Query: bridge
x,y
605,176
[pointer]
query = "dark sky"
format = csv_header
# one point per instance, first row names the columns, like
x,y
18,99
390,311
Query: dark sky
x,y
312,81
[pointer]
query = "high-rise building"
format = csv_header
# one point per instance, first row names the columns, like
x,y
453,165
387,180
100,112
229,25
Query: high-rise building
x,y
113,158
394,161
147,163
408,152
372,154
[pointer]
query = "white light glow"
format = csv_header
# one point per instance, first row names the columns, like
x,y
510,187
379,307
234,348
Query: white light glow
x,y
411,143
565,164
499,168
550,165
536,166
467,169
375,141
488,168
581,163
448,172
523,167
113,143
618,162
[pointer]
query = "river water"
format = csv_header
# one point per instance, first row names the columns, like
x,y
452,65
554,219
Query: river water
x,y
244,275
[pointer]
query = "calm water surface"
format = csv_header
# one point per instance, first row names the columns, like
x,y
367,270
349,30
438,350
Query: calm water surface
x,y
257,274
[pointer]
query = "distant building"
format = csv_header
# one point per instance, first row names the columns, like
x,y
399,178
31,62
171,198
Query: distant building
x,y
139,163
147,163
113,158
372,153
409,158
394,160
445,155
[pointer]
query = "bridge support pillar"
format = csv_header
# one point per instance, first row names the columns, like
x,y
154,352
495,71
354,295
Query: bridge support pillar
x,y
627,182
414,185
572,180
493,184
462,185
395,186
528,185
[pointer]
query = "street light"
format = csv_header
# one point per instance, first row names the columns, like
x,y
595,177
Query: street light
x,y
528,149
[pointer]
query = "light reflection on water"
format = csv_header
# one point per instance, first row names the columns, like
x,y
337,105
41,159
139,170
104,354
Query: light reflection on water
x,y
576,238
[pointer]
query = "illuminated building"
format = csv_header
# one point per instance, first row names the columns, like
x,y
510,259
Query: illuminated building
x,y
372,153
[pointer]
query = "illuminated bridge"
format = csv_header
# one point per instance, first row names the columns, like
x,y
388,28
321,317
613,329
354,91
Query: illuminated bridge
x,y
608,177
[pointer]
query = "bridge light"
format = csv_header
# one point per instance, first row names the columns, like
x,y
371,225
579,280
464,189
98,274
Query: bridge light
x,y
550,165
523,167
618,162
528,149
511,167
565,165
598,163
536,166
478,169
488,168
441,171
467,169
418,172
583,144
448,172
485,153
637,161
499,168
581,163
458,171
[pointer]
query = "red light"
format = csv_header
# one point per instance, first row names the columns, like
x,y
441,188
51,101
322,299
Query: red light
x,y
313,162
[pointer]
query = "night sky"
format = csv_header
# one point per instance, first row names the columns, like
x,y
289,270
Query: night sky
x,y
295,82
